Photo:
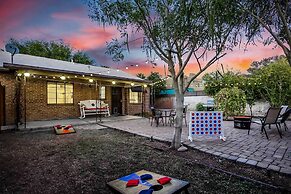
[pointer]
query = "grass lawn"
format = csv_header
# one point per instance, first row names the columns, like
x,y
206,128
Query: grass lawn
x,y
41,162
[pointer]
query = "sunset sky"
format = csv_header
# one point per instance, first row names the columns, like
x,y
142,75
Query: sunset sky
x,y
68,20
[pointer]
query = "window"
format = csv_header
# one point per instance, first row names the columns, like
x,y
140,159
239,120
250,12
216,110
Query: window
x,y
59,93
134,97
102,92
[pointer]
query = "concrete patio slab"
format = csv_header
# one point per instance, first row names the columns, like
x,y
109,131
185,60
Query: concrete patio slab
x,y
75,122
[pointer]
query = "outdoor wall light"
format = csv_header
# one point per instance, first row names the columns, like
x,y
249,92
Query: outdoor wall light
x,y
91,80
26,74
132,84
63,77
113,82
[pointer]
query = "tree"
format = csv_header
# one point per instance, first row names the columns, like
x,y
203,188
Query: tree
x,y
214,82
275,82
157,81
273,16
176,32
141,75
264,62
83,58
52,49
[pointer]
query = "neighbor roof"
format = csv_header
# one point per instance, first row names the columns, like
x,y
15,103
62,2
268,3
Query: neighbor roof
x,y
21,61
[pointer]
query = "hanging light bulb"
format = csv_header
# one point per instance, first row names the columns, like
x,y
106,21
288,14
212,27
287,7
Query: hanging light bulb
x,y
76,76
132,84
113,82
91,80
126,67
136,65
145,85
63,77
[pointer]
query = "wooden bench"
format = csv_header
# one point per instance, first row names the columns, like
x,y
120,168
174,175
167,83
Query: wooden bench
x,y
91,107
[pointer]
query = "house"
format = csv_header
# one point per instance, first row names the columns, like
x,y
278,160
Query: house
x,y
37,88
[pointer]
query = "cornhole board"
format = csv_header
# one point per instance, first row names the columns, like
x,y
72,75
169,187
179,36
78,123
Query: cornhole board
x,y
206,124
119,185
64,129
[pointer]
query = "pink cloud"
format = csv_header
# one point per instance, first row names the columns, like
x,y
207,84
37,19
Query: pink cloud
x,y
91,37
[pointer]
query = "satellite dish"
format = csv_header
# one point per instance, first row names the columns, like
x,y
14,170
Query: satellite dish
x,y
11,49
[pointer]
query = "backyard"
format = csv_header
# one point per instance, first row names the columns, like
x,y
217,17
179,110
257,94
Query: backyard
x,y
41,162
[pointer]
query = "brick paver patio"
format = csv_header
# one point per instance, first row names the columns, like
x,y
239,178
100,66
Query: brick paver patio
x,y
253,149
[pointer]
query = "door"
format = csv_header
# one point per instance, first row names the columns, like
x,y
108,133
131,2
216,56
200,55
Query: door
x,y
116,97
2,105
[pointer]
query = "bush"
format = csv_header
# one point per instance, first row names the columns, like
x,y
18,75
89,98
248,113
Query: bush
x,y
232,101
200,107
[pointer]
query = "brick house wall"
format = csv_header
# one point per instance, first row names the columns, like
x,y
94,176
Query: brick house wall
x,y
8,80
36,101
136,108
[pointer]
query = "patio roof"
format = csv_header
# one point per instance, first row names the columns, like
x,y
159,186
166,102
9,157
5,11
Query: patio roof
x,y
29,62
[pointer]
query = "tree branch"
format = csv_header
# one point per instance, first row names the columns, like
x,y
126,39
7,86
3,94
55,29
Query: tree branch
x,y
285,25
281,44
215,58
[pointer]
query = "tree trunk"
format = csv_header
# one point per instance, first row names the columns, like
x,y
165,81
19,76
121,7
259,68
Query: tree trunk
x,y
288,55
176,142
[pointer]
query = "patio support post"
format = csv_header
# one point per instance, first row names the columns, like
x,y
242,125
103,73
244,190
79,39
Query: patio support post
x,y
142,101
99,101
24,99
96,89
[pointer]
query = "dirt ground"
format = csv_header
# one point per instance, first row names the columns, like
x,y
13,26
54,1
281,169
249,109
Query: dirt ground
x,y
42,162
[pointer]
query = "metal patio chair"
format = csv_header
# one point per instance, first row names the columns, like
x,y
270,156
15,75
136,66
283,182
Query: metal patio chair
x,y
270,118
156,117
283,118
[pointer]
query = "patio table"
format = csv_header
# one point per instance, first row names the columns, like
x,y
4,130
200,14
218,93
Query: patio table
x,y
175,186
166,113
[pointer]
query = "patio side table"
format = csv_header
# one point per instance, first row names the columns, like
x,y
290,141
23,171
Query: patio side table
x,y
242,122
175,186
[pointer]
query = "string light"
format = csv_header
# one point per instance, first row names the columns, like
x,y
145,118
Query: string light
x,y
113,82
26,74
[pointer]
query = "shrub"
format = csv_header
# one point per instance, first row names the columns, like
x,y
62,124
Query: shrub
x,y
232,101
200,107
